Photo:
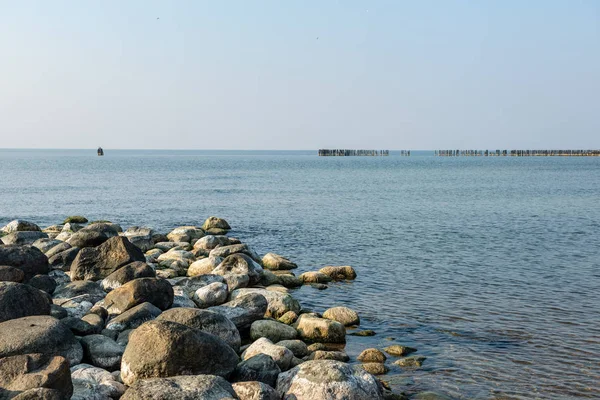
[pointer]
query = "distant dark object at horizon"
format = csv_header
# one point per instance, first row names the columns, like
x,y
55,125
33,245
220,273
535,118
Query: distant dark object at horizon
x,y
100,151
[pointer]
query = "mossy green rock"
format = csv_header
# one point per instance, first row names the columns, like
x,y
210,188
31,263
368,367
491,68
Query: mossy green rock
x,y
76,219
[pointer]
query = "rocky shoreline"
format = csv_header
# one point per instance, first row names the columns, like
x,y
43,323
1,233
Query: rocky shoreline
x,y
91,311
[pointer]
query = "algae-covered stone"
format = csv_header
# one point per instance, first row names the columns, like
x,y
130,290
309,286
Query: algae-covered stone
x,y
375,368
399,350
411,361
77,219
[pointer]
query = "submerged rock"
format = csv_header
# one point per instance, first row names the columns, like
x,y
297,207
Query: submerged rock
x,y
314,277
371,355
398,350
339,273
375,368
328,380
411,361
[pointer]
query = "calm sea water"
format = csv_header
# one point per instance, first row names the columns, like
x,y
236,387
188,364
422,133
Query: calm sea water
x,y
489,266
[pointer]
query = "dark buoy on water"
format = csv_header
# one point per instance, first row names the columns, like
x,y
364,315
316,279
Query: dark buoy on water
x,y
100,151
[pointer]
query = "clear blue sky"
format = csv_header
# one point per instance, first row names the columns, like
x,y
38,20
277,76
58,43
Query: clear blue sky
x,y
253,75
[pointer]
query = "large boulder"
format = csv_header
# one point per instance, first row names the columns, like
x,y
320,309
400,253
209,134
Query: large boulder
x,y
29,371
28,259
298,347
281,355
18,300
39,334
181,388
101,351
142,237
160,349
87,238
44,283
320,330
93,383
60,247
244,310
215,222
206,321
344,315
152,290
134,317
98,263
276,262
18,225
278,303
22,238
129,272
11,274
46,244
272,330
328,380
255,391
259,367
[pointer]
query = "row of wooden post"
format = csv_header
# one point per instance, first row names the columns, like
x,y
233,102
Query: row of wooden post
x,y
347,152
516,153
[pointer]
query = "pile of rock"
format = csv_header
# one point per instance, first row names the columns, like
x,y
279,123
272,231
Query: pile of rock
x,y
97,312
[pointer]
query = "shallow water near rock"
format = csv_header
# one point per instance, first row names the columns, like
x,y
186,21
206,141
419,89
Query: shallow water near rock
x,y
488,266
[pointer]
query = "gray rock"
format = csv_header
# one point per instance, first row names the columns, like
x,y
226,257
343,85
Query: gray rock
x,y
102,352
45,244
142,237
206,321
260,367
203,266
123,337
328,355
244,310
298,347
236,281
211,295
11,274
326,380
314,277
242,248
278,303
134,317
182,301
28,259
79,291
182,388
255,391
159,349
18,300
87,238
39,334
209,242
98,263
93,383
58,312
190,285
185,234
19,225
152,290
30,371
129,272
272,330
60,247
281,355
44,283
80,327
64,259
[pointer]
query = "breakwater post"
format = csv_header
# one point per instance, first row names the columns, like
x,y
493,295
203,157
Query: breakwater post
x,y
517,153
347,152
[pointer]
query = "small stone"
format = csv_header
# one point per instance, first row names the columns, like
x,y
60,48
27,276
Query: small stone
x,y
288,318
314,277
367,332
371,355
375,368
339,273
329,355
343,315
411,361
298,347
259,367
255,391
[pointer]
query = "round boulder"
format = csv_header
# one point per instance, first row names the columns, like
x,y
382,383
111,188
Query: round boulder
x,y
18,300
343,315
152,290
